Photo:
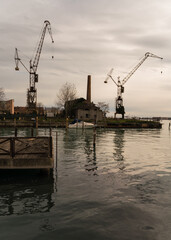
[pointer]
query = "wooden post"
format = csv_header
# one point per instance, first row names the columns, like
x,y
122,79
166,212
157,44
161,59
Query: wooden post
x,y
32,131
66,122
12,147
14,122
37,122
50,146
94,137
50,141
15,132
56,148
36,134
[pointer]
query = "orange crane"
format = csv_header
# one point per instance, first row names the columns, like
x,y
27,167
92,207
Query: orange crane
x,y
33,76
119,107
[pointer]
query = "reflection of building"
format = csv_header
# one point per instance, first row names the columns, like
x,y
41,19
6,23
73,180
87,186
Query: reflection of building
x,y
7,106
84,109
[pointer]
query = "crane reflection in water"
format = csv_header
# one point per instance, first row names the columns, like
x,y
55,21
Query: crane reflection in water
x,y
119,148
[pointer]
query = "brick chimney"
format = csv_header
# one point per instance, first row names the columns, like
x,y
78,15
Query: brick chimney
x,y
89,88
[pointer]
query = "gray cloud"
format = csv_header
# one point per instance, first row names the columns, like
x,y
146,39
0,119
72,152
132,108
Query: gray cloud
x,y
90,38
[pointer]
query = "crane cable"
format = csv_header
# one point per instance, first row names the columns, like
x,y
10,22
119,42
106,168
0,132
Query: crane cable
x,y
161,66
37,44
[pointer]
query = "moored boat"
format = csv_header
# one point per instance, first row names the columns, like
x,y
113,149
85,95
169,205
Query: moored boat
x,y
81,124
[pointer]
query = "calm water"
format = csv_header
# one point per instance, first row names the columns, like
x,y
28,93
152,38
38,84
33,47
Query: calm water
x,y
121,190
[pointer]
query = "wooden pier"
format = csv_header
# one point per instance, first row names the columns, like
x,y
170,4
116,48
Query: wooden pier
x,y
26,153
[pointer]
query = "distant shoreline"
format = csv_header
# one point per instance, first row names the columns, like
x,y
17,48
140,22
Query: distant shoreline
x,y
108,123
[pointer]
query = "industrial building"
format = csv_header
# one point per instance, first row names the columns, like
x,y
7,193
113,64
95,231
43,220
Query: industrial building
x,y
7,107
84,109
27,110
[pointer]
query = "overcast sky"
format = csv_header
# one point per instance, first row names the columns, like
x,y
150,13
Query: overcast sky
x,y
91,37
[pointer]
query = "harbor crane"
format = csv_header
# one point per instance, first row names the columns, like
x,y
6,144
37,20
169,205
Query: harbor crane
x,y
119,107
33,76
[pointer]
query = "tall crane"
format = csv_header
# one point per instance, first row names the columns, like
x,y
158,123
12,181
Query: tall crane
x,y
119,108
33,76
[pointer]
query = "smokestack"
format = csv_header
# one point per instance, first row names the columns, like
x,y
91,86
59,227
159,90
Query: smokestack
x,y
89,88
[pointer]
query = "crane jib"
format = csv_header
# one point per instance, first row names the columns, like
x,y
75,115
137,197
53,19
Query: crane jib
x,y
138,65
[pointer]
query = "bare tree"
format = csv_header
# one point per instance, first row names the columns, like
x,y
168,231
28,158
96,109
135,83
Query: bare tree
x,y
104,107
2,99
66,94
2,94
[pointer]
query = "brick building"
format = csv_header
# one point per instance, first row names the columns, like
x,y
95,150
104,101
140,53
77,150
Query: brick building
x,y
7,106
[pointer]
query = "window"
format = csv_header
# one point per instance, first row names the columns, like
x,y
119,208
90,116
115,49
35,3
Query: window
x,y
87,116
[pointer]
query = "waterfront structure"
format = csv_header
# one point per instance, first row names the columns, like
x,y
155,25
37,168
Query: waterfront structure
x,y
25,110
26,153
7,106
51,111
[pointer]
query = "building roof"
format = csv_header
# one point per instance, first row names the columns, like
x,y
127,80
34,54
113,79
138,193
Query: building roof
x,y
81,103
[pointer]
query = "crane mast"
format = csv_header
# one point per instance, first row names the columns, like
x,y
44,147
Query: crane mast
x,y
33,76
120,88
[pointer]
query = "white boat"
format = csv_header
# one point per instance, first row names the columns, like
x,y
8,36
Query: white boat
x,y
81,124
